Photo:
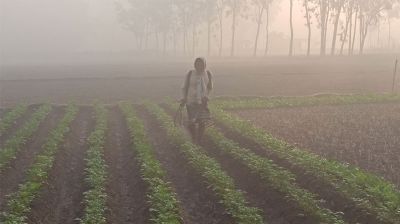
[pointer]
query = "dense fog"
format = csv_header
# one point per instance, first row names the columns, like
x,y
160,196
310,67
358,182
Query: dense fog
x,y
81,30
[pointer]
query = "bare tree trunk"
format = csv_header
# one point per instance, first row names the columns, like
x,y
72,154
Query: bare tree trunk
x,y
267,33
333,49
363,33
308,27
291,29
209,36
184,35
220,37
174,37
348,19
157,40
259,20
146,38
233,27
350,33
323,15
194,39
390,34
165,43
354,33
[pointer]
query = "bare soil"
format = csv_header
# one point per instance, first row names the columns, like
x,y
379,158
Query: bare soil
x,y
15,173
60,200
126,190
156,79
198,202
364,135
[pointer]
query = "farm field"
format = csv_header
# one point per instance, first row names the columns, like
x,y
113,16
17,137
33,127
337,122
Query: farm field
x,y
129,163
155,79
364,135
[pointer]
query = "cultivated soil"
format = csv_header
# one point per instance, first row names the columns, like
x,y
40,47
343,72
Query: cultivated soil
x,y
60,200
19,122
199,204
156,79
126,189
364,135
15,173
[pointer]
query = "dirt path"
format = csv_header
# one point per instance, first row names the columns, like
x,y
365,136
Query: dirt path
x,y
333,200
15,173
18,123
198,201
126,189
60,201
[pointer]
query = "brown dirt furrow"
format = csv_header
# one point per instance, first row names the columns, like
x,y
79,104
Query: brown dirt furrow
x,y
330,197
60,200
276,208
126,189
199,204
18,123
15,173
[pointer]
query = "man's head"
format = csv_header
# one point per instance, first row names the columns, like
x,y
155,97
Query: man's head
x,y
200,64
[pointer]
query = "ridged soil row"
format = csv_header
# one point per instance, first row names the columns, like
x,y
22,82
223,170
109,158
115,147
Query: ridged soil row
x,y
199,203
60,200
125,188
15,173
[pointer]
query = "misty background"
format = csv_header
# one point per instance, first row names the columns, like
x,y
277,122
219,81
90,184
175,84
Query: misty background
x,y
97,30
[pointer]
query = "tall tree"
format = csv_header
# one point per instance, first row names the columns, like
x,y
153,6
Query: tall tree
x,y
370,13
234,7
221,7
337,6
349,16
308,10
259,7
291,28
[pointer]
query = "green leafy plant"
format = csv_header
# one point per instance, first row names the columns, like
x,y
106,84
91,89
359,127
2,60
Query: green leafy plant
x,y
164,206
20,201
368,191
13,145
95,198
223,185
11,116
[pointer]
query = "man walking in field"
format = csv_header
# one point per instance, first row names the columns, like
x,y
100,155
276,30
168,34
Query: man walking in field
x,y
196,89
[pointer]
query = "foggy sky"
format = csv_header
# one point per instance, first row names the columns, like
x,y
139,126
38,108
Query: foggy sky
x,y
47,26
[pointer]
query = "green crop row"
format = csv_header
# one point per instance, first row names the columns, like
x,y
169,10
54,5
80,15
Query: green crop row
x,y
369,191
276,177
223,185
13,145
164,206
19,204
95,198
273,102
11,116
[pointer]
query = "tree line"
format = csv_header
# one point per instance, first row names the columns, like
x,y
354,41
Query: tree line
x,y
179,23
